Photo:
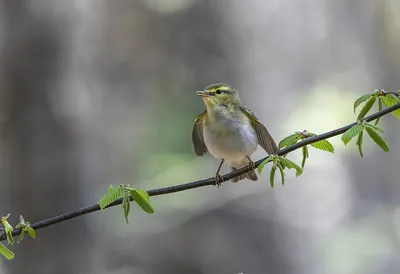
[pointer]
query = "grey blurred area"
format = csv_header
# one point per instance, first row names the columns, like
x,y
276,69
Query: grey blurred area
x,y
94,93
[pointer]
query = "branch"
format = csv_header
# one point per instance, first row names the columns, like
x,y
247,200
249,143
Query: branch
x,y
205,182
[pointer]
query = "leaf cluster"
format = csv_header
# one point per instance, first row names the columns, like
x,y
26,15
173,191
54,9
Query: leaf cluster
x,y
382,98
8,229
379,96
127,193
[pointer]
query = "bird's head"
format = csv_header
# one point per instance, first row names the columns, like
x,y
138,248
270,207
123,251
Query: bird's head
x,y
219,94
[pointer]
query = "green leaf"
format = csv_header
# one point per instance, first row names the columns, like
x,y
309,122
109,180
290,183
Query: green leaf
x,y
289,164
8,230
359,143
373,127
111,195
380,106
30,231
377,139
25,228
282,174
367,107
6,252
305,155
21,222
126,205
142,198
272,175
261,166
289,140
390,100
361,100
263,163
21,236
351,132
324,145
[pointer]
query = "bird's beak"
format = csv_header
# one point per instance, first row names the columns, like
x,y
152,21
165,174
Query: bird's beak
x,y
203,93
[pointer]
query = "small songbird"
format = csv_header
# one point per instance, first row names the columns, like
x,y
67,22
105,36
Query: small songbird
x,y
229,131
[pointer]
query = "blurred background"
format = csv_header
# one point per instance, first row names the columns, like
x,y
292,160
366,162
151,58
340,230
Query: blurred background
x,y
96,92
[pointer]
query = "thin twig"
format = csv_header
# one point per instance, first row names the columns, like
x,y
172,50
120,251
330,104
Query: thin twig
x,y
205,182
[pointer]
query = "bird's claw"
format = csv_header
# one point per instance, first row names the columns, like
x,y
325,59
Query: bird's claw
x,y
218,180
252,165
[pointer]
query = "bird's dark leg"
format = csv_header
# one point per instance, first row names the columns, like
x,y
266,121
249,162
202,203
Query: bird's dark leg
x,y
218,178
251,163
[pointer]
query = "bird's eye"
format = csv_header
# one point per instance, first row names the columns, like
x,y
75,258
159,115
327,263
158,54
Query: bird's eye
x,y
218,91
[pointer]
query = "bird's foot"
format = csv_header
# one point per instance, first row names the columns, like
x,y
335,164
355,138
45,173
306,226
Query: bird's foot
x,y
252,165
218,180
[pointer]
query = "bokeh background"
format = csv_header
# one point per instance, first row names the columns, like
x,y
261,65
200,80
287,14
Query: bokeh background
x,y
96,92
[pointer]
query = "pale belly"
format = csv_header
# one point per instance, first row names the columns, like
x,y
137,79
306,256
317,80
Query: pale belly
x,y
233,144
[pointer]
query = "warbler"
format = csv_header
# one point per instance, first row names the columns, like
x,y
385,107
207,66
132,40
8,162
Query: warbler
x,y
229,131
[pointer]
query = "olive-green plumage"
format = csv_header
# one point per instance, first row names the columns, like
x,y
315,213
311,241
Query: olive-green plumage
x,y
229,130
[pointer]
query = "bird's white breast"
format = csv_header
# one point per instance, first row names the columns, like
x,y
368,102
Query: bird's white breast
x,y
231,140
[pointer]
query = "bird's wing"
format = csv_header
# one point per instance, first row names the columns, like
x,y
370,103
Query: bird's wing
x,y
265,139
197,135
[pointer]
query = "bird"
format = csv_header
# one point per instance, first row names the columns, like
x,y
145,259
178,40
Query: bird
x,y
229,131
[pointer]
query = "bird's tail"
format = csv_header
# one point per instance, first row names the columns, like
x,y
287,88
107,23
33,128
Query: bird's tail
x,y
251,175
